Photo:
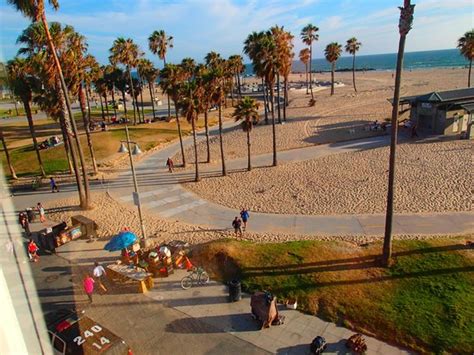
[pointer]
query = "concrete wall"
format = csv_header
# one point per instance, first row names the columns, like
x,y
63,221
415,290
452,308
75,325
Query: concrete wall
x,y
456,122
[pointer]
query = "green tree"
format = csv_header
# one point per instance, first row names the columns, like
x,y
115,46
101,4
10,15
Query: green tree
x,y
247,111
352,47
466,47
309,34
7,155
333,53
304,56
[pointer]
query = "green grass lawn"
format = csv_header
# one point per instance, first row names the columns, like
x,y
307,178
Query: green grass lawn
x,y
425,301
5,113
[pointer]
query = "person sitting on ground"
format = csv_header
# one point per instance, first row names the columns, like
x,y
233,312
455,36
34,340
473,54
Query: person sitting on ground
x,y
33,251
237,224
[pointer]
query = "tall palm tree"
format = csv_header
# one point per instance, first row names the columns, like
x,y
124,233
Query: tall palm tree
x,y
404,26
466,47
206,83
352,47
304,56
148,72
189,105
7,155
333,52
22,83
171,79
238,68
35,10
159,42
126,52
309,34
247,110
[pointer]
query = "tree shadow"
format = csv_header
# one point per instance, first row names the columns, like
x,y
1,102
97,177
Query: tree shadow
x,y
214,324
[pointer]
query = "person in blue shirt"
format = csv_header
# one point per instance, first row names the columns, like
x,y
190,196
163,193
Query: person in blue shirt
x,y
244,215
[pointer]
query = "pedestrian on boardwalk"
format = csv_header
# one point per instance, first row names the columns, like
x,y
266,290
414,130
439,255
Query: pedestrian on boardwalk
x,y
41,212
170,165
33,251
237,224
23,219
244,214
88,284
100,275
54,186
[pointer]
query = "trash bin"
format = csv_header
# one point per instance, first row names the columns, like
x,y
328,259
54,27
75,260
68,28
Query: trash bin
x,y
235,291
88,226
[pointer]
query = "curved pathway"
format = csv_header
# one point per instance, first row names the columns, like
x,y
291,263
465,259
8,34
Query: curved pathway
x,y
161,193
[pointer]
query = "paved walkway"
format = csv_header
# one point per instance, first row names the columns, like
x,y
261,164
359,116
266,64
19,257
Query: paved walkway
x,y
162,194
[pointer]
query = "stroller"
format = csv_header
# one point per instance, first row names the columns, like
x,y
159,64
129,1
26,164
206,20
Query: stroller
x,y
264,309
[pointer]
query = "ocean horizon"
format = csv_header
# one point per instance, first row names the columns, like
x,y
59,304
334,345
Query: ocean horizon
x,y
444,58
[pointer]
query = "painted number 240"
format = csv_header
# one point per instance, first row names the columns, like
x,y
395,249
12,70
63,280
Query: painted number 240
x,y
79,340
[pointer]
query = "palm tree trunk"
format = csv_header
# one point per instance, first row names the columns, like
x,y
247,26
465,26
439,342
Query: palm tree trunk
x,y
85,120
353,72
141,101
196,158
310,70
85,201
114,103
239,86
249,164
278,98
285,97
133,95
152,98
206,125
29,117
275,161
168,96
102,107
387,243
16,106
264,91
67,147
88,103
307,82
124,103
180,135
469,74
221,142
106,105
7,154
232,90
333,67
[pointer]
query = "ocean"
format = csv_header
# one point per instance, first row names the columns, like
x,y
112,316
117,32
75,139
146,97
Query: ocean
x,y
446,58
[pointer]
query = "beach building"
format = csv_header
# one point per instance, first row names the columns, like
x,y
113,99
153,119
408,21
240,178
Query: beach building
x,y
442,112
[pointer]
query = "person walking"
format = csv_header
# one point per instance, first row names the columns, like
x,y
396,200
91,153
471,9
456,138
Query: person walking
x,y
23,219
54,186
244,215
170,165
33,251
99,275
88,284
237,224
41,212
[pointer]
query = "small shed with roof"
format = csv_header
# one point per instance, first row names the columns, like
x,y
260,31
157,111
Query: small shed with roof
x,y
442,112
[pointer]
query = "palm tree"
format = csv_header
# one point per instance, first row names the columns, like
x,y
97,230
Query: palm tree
x,y
247,110
352,47
466,47
171,78
405,23
238,68
22,83
309,34
35,10
189,104
333,52
304,58
148,72
7,155
126,52
159,42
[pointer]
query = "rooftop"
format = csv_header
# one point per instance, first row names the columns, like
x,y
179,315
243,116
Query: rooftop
x,y
465,94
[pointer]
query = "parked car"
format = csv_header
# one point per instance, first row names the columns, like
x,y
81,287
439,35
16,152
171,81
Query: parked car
x,y
73,333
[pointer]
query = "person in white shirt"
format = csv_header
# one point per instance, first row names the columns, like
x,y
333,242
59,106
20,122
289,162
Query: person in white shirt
x,y
99,275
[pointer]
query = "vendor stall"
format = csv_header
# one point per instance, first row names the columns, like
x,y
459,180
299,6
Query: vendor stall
x,y
122,273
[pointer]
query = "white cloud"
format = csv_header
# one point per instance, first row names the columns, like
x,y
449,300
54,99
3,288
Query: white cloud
x,y
332,23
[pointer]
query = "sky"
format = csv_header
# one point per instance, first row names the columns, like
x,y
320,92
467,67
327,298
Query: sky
x,y
201,26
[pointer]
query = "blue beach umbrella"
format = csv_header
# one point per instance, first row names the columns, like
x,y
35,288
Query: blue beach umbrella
x,y
121,241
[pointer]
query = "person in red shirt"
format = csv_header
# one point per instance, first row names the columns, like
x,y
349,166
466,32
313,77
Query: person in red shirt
x,y
33,251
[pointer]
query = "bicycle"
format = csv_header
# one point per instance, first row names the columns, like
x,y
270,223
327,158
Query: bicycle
x,y
197,275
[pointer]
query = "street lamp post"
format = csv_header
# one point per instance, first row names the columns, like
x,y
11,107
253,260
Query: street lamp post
x,y
136,151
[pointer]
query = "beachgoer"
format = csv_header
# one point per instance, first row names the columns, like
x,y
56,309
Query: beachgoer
x,y
54,186
88,284
170,165
41,212
99,275
33,251
23,219
237,224
244,214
